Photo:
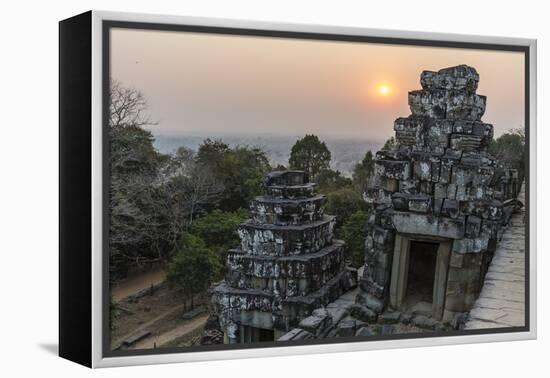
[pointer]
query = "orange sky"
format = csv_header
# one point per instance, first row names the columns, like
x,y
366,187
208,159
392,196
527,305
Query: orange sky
x,y
205,84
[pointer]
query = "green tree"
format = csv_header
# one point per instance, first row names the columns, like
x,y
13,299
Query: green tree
x,y
193,268
354,232
244,169
133,154
310,155
239,171
329,180
218,229
343,203
390,144
212,153
509,149
362,172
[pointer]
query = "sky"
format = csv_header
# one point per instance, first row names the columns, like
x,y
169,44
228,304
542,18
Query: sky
x,y
215,85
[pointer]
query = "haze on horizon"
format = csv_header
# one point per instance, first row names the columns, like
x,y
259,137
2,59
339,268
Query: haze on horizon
x,y
215,85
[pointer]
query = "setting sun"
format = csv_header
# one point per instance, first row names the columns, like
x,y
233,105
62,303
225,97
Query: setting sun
x,y
384,90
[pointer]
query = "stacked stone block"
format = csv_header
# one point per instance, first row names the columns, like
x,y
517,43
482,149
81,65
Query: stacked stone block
x,y
288,263
439,182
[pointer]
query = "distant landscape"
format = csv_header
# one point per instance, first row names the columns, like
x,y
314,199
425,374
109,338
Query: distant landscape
x,y
345,152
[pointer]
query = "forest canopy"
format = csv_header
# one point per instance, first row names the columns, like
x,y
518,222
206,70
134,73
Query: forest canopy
x,y
155,198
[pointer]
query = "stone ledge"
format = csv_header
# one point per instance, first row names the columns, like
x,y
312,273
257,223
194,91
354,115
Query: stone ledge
x,y
284,240
502,299
291,227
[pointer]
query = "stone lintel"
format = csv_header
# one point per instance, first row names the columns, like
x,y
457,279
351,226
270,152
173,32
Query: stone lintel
x,y
428,224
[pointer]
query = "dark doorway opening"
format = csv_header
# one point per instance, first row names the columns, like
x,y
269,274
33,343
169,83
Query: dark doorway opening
x,y
251,334
265,335
421,273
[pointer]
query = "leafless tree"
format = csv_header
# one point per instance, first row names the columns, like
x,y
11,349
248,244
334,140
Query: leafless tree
x,y
188,188
153,197
134,225
128,107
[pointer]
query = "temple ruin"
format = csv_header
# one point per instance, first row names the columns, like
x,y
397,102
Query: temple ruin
x,y
288,263
437,210
436,214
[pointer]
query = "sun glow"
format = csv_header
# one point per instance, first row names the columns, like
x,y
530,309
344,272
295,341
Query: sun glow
x,y
384,90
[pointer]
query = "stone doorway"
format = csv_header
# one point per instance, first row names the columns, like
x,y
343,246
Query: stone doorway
x,y
419,273
251,334
264,335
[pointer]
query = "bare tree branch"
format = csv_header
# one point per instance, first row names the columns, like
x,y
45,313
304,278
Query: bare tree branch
x,y
127,107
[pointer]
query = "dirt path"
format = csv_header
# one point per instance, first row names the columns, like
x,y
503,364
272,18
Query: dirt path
x,y
149,324
173,334
135,284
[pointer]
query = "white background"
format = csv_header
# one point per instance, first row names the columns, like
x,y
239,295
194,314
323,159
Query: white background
x,y
29,189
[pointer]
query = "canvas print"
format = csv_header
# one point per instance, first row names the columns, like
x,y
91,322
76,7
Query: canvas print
x,y
273,191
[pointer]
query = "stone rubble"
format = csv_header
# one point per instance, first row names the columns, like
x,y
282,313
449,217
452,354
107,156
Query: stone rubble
x,y
345,318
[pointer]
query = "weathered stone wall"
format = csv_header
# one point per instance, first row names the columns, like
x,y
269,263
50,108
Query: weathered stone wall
x,y
438,182
272,239
269,210
288,263
295,275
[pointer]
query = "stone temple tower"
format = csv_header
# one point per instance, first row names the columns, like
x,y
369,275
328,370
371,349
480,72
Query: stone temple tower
x,y
435,216
286,266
